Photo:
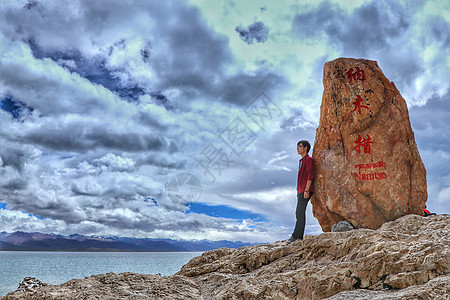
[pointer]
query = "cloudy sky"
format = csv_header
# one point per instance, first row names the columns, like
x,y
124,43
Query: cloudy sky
x,y
179,119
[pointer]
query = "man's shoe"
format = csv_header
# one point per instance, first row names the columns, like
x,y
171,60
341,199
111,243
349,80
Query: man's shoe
x,y
291,240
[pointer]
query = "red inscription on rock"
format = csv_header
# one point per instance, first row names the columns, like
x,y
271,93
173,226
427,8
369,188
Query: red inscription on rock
x,y
358,75
380,164
358,104
364,143
370,176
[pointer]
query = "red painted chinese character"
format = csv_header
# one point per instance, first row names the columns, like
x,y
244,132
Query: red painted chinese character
x,y
358,75
358,104
363,142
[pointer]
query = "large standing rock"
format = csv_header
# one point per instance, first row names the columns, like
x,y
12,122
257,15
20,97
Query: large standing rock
x,y
368,168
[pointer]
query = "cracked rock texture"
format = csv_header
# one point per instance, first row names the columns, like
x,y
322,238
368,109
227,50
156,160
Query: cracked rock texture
x,y
368,168
408,258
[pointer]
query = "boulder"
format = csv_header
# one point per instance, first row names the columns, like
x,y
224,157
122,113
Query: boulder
x,y
368,168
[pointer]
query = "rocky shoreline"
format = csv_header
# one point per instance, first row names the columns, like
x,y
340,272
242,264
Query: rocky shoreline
x,y
408,258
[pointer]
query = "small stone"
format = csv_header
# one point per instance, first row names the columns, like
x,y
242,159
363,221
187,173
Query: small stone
x,y
342,226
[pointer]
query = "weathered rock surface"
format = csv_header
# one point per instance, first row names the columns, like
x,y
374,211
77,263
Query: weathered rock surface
x,y
368,168
116,286
437,288
407,258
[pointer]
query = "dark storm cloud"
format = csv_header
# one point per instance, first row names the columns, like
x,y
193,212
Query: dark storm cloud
x,y
161,161
241,89
151,121
403,70
432,133
80,136
59,139
15,184
198,55
15,157
161,99
376,30
370,27
59,210
133,142
327,17
431,124
256,32
440,31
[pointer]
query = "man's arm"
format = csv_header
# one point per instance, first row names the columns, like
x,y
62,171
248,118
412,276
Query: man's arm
x,y
310,176
308,185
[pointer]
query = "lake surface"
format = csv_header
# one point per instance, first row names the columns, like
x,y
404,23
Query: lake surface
x,y
59,267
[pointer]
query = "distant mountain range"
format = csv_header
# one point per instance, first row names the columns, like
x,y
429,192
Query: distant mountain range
x,y
23,241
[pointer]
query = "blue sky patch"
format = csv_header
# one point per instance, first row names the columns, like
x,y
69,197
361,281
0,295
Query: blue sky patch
x,y
151,200
3,205
15,108
224,211
36,216
95,70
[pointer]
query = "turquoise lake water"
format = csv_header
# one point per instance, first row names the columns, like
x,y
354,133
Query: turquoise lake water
x,y
59,267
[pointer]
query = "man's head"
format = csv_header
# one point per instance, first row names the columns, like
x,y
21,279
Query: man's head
x,y
303,144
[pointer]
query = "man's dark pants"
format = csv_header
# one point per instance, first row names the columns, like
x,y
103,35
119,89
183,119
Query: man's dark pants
x,y
300,215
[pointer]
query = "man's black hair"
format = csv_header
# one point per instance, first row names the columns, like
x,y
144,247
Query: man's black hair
x,y
306,144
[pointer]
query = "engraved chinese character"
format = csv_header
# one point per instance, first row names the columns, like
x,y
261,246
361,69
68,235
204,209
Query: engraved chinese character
x,y
358,104
363,142
358,75
238,136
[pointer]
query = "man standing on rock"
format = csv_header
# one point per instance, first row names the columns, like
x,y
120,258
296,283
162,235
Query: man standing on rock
x,y
305,188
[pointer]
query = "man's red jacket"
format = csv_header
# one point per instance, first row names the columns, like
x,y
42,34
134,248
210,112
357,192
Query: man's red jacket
x,y
305,173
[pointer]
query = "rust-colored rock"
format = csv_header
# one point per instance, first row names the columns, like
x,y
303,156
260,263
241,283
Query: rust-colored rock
x,y
368,168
